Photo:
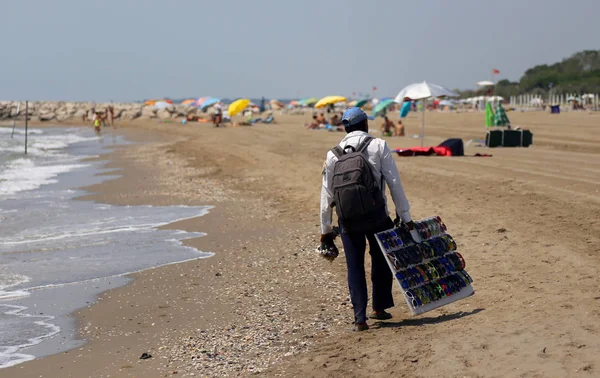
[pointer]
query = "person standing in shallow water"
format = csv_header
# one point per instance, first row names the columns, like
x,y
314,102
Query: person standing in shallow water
x,y
97,123
357,228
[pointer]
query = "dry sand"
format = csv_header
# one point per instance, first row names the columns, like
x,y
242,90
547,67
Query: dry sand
x,y
527,221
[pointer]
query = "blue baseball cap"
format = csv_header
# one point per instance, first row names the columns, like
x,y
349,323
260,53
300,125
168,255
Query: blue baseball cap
x,y
354,116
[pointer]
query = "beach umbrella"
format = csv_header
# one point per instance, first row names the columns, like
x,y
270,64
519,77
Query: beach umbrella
x,y
500,119
150,102
446,103
310,101
276,105
191,101
237,106
405,109
209,102
423,91
490,118
485,83
201,101
361,103
381,107
329,100
352,103
161,105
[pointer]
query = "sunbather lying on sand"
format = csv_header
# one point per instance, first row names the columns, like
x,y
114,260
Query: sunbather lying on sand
x,y
315,124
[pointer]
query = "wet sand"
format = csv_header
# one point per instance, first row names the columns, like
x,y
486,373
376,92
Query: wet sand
x,y
526,220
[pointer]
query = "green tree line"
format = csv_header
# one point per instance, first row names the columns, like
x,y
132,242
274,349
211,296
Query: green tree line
x,y
579,74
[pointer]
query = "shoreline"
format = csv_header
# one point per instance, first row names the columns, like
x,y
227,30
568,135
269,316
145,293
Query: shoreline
x,y
103,193
86,290
269,295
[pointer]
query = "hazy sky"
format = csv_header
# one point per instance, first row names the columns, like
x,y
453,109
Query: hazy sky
x,y
129,49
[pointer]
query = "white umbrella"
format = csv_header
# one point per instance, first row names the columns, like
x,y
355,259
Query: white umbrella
x,y
423,91
485,83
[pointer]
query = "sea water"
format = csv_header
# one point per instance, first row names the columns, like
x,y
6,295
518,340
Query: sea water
x,y
56,253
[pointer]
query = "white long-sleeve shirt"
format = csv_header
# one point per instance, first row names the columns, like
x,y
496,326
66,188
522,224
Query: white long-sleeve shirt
x,y
384,165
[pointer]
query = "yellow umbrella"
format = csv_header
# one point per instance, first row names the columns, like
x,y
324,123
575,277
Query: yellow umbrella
x,y
237,106
329,100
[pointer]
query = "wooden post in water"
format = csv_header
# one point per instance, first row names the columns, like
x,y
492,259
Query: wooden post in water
x,y
12,135
26,121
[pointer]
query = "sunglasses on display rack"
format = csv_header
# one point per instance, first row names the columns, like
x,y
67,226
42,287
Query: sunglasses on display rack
x,y
415,300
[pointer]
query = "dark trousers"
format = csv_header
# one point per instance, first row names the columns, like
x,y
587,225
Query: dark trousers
x,y
354,247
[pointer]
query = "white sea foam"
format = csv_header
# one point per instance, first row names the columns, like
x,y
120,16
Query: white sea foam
x,y
8,280
56,253
9,355
19,131
44,161
23,174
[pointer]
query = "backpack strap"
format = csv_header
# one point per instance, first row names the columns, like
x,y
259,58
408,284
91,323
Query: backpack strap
x,y
337,151
364,144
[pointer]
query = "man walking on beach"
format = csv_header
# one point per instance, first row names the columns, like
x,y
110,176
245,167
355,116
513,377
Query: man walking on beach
x,y
354,178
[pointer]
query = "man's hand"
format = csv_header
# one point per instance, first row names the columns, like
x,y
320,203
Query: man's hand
x,y
328,249
415,236
398,222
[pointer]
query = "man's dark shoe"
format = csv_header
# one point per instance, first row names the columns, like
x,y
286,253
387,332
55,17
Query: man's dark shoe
x,y
380,315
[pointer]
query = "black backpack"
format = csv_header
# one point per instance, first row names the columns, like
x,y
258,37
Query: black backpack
x,y
359,200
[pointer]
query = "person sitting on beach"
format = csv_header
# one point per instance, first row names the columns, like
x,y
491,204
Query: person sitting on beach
x,y
269,119
335,120
386,127
321,119
314,124
357,226
399,131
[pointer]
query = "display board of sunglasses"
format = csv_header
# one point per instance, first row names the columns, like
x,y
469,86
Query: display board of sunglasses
x,y
431,273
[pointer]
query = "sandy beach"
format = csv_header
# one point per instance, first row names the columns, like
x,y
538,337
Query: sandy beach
x,y
526,220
